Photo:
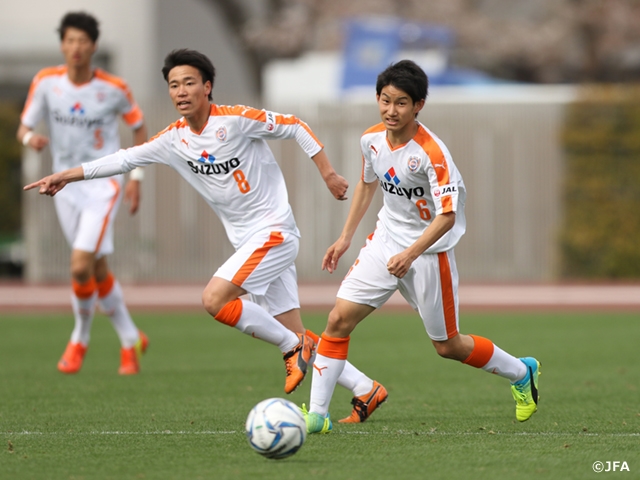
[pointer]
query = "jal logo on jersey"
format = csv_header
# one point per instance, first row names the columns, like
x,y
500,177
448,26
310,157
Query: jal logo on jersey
x,y
206,158
445,191
270,122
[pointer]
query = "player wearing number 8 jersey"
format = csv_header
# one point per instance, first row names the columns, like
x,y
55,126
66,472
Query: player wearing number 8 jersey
x,y
411,250
222,152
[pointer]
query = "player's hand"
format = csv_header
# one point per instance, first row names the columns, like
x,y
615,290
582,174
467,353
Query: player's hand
x,y
334,252
49,185
337,185
399,264
132,195
38,142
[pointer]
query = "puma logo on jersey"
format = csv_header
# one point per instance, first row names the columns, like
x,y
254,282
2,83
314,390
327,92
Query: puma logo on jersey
x,y
219,168
185,142
374,149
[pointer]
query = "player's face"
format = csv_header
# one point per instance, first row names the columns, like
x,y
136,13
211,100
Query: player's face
x,y
190,95
77,48
397,110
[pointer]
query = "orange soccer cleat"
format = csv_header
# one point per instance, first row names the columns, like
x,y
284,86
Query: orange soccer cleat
x,y
365,405
72,358
130,357
296,362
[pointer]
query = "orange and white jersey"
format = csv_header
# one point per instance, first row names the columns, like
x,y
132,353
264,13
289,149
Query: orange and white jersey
x,y
82,119
229,163
419,181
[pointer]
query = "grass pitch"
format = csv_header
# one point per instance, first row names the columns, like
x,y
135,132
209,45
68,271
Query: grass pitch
x,y
183,416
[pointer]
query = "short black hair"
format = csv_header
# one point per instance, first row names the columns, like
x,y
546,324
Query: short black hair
x,y
82,21
408,77
193,58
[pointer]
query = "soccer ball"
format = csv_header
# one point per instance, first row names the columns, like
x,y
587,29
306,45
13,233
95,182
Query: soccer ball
x,y
276,428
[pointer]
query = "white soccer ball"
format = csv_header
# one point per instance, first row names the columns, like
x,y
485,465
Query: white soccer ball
x,y
276,428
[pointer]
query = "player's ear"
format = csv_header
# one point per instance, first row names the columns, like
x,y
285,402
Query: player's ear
x,y
207,88
418,106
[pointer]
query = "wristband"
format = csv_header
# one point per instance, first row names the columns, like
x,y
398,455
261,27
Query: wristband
x,y
25,139
136,174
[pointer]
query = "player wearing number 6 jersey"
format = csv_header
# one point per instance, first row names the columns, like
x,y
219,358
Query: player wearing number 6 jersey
x,y
81,106
411,250
222,152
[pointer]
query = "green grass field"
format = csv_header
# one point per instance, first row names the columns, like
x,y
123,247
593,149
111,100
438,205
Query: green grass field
x,y
183,416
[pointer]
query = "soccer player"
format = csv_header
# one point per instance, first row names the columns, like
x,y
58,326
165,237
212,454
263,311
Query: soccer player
x,y
222,152
411,250
81,106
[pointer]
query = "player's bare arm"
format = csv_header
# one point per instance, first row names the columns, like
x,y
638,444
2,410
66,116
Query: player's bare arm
x,y
399,264
132,189
362,197
29,138
336,184
52,184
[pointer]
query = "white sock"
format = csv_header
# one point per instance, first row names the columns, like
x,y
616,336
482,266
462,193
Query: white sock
x,y
113,305
255,321
354,380
505,365
83,309
326,372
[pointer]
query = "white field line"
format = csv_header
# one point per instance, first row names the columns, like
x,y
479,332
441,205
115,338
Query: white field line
x,y
355,432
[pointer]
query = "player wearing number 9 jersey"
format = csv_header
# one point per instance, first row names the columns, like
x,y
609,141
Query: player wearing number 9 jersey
x,y
411,250
222,152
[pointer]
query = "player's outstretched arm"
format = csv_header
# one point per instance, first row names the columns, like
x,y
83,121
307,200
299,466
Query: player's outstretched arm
x,y
362,197
336,184
52,184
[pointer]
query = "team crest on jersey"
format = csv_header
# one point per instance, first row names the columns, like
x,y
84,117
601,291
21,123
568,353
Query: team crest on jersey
x,y
413,163
221,133
206,157
101,96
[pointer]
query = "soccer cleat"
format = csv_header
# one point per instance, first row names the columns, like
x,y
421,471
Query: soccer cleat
x,y
525,391
316,423
296,362
365,405
72,358
130,357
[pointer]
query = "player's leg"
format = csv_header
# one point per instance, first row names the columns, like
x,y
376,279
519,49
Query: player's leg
x,y
251,269
83,294
366,287
281,300
133,342
435,292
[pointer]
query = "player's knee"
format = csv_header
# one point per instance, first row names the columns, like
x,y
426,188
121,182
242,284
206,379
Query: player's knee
x,y
81,272
445,349
338,324
211,304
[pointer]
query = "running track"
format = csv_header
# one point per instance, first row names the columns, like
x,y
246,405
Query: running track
x,y
15,297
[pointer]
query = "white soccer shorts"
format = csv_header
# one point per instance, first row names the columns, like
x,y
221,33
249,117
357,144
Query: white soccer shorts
x,y
265,267
430,286
86,212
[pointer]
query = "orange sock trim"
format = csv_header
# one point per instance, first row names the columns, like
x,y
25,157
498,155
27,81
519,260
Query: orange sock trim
x,y
230,313
481,353
333,347
105,286
85,290
313,336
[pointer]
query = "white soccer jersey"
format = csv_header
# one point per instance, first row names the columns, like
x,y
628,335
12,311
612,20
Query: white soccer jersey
x,y
229,163
82,119
419,181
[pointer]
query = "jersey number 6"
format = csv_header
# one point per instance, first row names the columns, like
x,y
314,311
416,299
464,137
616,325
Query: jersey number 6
x,y
422,208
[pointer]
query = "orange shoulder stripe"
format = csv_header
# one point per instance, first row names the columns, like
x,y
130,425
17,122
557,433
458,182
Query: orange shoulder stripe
x,y
179,124
438,160
45,72
375,129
